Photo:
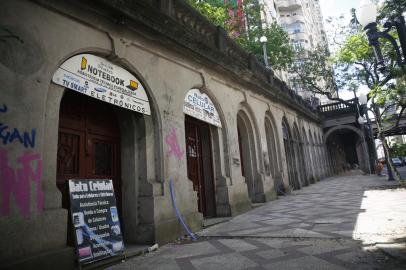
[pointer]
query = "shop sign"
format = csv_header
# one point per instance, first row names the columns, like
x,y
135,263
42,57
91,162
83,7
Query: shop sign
x,y
95,220
101,79
199,105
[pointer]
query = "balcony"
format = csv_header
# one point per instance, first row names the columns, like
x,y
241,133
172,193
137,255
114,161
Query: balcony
x,y
336,109
298,35
292,19
288,5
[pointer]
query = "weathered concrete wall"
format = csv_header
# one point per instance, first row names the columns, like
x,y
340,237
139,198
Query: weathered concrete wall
x,y
32,220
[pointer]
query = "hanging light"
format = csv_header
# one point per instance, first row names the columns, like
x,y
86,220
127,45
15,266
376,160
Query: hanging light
x,y
366,15
366,12
264,40
363,99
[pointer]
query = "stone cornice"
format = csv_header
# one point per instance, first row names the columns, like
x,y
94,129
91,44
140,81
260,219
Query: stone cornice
x,y
175,22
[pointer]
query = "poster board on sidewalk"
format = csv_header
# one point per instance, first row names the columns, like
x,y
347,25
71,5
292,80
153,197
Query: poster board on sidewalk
x,y
95,220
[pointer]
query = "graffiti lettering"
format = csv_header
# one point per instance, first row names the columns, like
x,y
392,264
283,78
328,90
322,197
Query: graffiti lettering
x,y
172,141
10,135
17,182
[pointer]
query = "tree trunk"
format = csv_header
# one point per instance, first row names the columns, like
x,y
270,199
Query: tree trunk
x,y
388,158
381,136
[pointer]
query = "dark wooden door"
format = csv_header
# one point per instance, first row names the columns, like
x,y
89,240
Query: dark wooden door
x,y
241,154
199,163
88,143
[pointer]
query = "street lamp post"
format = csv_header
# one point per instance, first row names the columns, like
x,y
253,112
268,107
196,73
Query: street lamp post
x,y
361,104
264,40
363,111
366,15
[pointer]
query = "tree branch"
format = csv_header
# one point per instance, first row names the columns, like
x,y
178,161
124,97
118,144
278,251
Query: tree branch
x,y
399,117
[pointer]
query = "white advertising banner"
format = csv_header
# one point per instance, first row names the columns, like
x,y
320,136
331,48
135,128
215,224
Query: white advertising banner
x,y
199,105
96,77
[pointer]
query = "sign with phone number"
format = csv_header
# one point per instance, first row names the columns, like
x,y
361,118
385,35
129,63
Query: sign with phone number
x,y
96,77
95,220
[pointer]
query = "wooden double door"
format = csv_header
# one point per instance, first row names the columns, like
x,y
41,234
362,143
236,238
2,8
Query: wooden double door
x,y
199,164
88,143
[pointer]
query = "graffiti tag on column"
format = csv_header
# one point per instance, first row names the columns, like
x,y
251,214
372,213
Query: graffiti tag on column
x,y
17,182
10,135
172,141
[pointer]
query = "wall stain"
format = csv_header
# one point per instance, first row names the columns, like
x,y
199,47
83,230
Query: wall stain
x,y
18,55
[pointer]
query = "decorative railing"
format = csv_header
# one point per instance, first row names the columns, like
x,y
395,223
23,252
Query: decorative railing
x,y
338,105
339,108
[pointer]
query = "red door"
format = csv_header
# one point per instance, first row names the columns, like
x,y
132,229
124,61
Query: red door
x,y
199,163
88,143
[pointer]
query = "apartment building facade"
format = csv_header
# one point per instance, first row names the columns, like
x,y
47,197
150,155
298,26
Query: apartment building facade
x,y
303,21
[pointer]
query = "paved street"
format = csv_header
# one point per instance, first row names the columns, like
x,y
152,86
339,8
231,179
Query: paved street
x,y
347,222
401,170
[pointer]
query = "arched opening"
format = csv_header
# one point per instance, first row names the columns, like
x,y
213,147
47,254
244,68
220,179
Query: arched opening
x,y
88,144
307,161
200,164
317,155
271,140
348,148
248,157
101,140
290,155
299,157
312,157
326,156
206,152
88,141
323,156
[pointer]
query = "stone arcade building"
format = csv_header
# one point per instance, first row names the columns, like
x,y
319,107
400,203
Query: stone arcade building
x,y
191,106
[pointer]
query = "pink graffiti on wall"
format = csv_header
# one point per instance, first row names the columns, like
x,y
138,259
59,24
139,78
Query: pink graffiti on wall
x,y
172,141
17,182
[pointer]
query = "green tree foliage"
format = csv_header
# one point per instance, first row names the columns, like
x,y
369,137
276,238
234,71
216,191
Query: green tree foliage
x,y
387,89
392,9
398,150
247,33
315,72
280,53
354,65
217,14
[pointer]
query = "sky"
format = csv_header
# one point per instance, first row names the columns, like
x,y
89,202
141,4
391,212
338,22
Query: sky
x,y
337,8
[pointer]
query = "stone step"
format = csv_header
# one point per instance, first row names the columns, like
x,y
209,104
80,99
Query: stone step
x,y
255,205
208,222
132,250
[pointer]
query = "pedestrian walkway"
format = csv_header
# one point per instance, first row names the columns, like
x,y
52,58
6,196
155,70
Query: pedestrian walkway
x,y
347,222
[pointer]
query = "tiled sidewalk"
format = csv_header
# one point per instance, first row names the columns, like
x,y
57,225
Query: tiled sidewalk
x,y
314,228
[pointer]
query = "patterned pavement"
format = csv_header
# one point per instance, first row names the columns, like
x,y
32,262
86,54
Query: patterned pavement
x,y
333,224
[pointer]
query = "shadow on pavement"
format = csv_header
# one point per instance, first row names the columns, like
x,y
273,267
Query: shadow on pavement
x,y
346,222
